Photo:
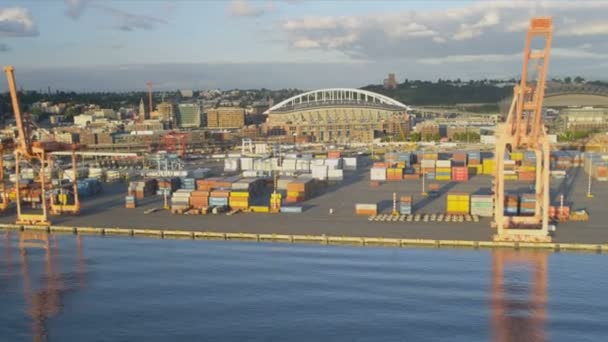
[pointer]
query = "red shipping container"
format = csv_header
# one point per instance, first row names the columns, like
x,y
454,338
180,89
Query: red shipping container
x,y
333,154
460,174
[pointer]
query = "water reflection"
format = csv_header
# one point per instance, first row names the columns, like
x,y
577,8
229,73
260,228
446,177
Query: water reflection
x,y
44,294
519,295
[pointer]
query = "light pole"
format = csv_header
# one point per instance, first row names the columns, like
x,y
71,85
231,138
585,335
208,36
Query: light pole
x,y
590,168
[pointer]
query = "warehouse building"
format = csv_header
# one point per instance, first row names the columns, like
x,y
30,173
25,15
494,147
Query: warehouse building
x,y
189,115
226,117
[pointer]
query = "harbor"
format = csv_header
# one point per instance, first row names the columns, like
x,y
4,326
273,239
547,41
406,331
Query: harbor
x,y
332,213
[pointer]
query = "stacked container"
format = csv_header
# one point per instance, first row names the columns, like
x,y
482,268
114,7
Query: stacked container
x,y
143,189
130,202
459,159
489,166
458,203
511,206
181,199
527,204
597,165
219,197
482,205
239,200
188,183
428,168
405,205
378,173
460,173
443,171
167,185
474,163
335,175
299,190
394,174
366,209
199,199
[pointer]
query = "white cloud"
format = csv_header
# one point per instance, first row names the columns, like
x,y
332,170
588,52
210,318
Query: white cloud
x,y
243,8
17,22
124,21
470,33
586,29
306,44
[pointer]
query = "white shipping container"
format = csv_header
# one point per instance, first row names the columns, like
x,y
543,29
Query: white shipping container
x,y
334,164
350,163
319,172
427,163
250,173
378,173
246,164
318,162
443,163
364,206
335,175
231,164
289,165
303,165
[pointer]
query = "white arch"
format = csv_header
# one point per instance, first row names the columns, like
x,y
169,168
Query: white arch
x,y
338,94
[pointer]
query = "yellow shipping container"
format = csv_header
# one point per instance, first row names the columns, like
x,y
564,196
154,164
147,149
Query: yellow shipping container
x,y
443,169
259,209
239,194
458,197
295,194
443,178
517,156
489,165
401,165
511,177
395,170
458,206
528,168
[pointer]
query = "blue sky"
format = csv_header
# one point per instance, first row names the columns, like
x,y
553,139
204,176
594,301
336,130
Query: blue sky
x,y
106,45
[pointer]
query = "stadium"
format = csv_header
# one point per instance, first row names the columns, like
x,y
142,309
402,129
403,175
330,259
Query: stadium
x,y
339,115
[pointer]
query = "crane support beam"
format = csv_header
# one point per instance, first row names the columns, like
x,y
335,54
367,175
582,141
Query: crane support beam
x,y
94,154
523,129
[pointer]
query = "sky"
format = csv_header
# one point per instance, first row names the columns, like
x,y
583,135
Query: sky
x,y
91,45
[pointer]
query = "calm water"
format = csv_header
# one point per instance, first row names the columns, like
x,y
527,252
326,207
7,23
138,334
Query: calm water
x,y
125,289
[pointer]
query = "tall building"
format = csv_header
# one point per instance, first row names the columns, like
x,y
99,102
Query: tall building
x,y
226,117
165,111
390,82
142,110
189,115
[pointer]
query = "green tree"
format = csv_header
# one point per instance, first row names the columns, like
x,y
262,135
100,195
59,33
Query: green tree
x,y
415,136
568,80
579,79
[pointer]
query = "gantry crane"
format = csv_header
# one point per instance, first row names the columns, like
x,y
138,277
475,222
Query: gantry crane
x,y
35,152
524,130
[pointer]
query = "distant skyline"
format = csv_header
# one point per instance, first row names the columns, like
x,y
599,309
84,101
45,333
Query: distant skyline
x,y
89,45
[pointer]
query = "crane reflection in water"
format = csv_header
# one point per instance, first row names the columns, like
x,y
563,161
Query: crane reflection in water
x,y
519,295
44,293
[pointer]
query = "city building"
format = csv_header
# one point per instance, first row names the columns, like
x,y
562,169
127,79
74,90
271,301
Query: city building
x,y
186,93
226,117
583,119
142,110
165,111
390,82
336,115
188,115
428,129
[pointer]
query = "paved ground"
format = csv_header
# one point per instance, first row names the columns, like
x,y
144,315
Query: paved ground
x,y
108,210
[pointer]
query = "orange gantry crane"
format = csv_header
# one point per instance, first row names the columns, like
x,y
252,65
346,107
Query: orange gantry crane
x,y
524,130
38,153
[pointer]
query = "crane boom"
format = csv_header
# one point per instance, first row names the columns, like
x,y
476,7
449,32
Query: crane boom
x,y
24,143
524,129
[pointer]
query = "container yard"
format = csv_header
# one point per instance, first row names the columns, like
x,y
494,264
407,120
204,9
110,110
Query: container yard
x,y
343,208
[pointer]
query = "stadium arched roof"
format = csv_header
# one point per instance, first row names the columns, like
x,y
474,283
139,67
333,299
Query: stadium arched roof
x,y
337,96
